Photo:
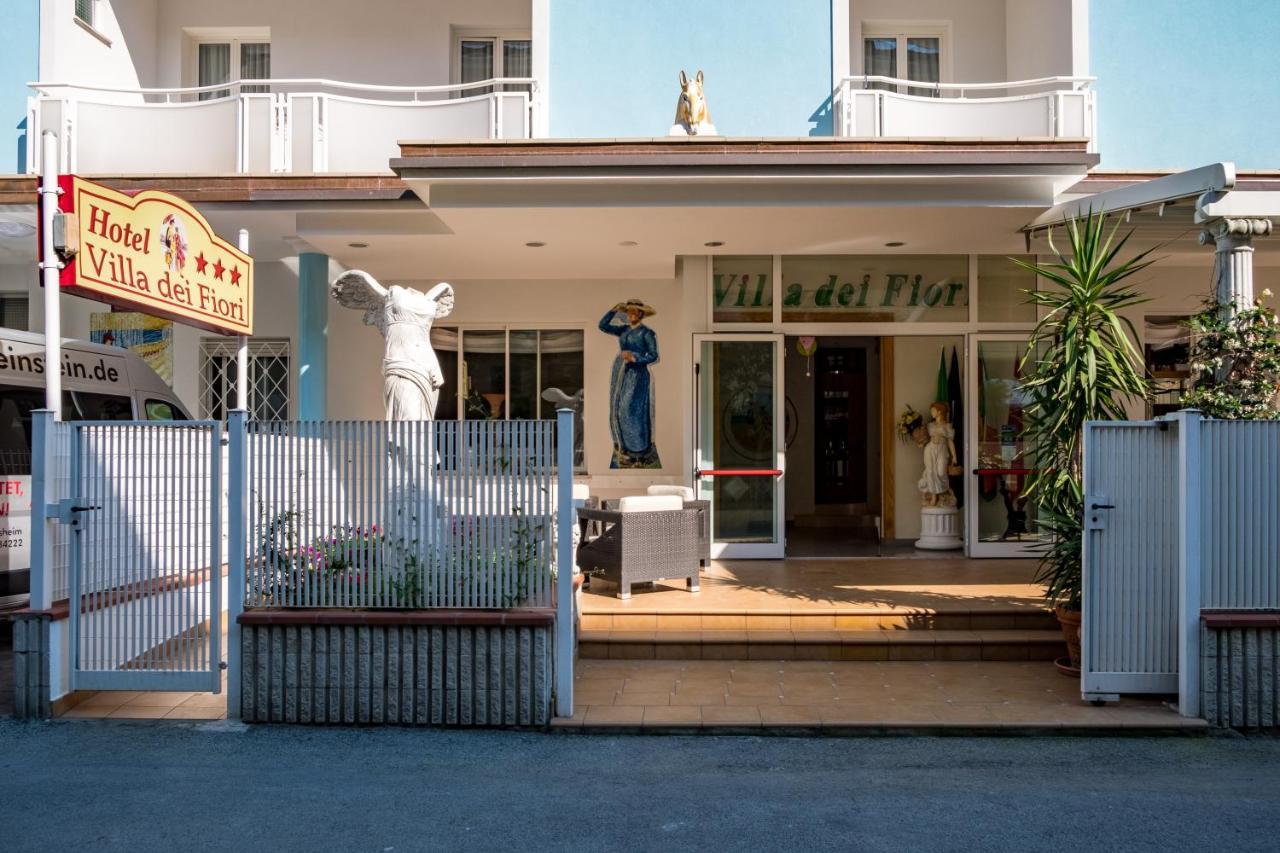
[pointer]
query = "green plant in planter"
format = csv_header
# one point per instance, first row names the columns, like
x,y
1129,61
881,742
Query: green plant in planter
x,y
1235,362
1081,364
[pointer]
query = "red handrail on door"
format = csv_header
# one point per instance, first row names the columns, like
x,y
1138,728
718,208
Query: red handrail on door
x,y
738,472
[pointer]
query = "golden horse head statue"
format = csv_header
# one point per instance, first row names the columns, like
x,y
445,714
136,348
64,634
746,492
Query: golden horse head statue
x,y
692,116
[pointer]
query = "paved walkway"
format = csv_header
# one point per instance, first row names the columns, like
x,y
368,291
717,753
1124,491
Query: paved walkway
x,y
108,786
845,695
938,583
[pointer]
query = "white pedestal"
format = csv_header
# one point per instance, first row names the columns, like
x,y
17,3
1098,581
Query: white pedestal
x,y
939,529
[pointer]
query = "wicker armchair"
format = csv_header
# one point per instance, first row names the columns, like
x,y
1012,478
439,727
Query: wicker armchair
x,y
632,547
687,494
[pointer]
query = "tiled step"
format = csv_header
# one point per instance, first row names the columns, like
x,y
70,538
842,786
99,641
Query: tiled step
x,y
818,619
834,644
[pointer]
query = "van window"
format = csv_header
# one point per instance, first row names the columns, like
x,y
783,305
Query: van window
x,y
163,410
16,404
86,406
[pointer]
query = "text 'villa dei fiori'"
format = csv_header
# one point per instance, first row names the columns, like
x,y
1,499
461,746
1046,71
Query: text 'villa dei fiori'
x,y
155,253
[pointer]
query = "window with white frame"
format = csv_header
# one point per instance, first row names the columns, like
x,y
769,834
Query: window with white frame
x,y
484,56
268,378
15,311
904,52
511,374
85,10
221,60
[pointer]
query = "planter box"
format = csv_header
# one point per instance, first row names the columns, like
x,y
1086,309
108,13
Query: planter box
x,y
1240,669
426,668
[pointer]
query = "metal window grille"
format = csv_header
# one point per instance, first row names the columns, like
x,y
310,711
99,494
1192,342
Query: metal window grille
x,y
14,313
84,10
268,378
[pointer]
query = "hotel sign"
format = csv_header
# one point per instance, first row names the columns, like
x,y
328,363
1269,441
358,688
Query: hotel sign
x,y
153,252
887,288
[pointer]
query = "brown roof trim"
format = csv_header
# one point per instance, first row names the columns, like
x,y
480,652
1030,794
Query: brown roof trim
x,y
728,154
21,189
1228,619
534,617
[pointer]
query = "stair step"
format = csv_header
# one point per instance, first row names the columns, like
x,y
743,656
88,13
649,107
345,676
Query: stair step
x,y
1025,619
867,645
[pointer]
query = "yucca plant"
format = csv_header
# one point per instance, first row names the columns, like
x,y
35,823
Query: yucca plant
x,y
1081,364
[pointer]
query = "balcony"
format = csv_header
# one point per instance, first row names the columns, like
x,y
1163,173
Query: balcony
x,y
271,125
873,107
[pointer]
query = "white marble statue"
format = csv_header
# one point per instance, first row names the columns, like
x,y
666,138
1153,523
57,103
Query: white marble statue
x,y
692,116
939,457
411,376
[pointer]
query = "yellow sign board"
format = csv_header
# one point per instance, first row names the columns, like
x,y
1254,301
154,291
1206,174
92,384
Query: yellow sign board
x,y
153,252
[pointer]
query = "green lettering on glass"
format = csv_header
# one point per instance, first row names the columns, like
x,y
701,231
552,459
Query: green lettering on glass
x,y
795,292
893,286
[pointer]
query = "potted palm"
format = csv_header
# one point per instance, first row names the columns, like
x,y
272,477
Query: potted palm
x,y
1081,364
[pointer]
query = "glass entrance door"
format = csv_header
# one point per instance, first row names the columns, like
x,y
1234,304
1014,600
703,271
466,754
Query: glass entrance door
x,y
740,443
1000,520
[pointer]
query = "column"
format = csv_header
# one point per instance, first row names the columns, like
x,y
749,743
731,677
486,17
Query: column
x,y
1233,258
313,334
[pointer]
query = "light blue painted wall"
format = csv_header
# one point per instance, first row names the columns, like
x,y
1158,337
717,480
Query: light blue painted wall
x,y
1182,83
615,63
19,64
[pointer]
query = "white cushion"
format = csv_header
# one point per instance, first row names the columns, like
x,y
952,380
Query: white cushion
x,y
684,492
650,503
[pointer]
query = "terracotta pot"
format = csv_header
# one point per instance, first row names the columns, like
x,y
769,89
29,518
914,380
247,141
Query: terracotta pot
x,y
1070,622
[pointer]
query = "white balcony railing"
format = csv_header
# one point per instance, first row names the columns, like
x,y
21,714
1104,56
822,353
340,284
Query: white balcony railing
x,y
873,107
264,126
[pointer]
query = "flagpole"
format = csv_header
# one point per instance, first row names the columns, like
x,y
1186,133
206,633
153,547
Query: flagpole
x,y
49,274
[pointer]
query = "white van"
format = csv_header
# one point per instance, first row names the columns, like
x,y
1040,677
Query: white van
x,y
99,383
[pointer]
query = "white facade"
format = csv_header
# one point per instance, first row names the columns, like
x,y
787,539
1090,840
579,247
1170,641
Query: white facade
x,y
528,253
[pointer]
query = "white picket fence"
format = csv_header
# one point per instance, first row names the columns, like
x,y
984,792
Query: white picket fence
x,y
371,514
1181,515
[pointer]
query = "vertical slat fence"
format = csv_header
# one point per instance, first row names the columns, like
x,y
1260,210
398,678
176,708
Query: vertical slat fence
x,y
372,514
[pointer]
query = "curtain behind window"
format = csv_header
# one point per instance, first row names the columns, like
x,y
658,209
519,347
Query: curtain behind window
x,y
477,63
214,66
922,63
880,58
517,61
255,64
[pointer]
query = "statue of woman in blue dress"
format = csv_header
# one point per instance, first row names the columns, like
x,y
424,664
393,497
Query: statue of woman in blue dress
x,y
631,390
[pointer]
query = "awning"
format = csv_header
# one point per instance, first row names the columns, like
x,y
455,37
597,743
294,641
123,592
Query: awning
x,y
1207,193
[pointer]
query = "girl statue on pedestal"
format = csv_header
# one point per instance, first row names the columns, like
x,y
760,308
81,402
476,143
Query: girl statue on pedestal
x,y
939,458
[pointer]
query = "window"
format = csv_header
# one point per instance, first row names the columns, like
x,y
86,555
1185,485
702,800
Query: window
x,y
215,59
268,379
84,10
511,374
87,406
14,311
484,57
1167,352
889,52
162,410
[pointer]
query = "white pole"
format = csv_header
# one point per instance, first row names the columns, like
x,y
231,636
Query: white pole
x,y
49,269
242,348
566,519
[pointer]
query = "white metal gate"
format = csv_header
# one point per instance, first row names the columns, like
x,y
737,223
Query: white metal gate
x,y
1129,632
146,555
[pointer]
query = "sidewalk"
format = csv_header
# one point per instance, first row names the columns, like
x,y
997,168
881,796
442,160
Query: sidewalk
x,y
851,696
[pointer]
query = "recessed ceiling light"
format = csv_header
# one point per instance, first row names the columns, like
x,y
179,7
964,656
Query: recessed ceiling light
x,y
628,243
535,244
358,245
711,244
893,244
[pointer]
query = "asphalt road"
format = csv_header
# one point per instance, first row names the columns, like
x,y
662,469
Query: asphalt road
x,y
88,785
